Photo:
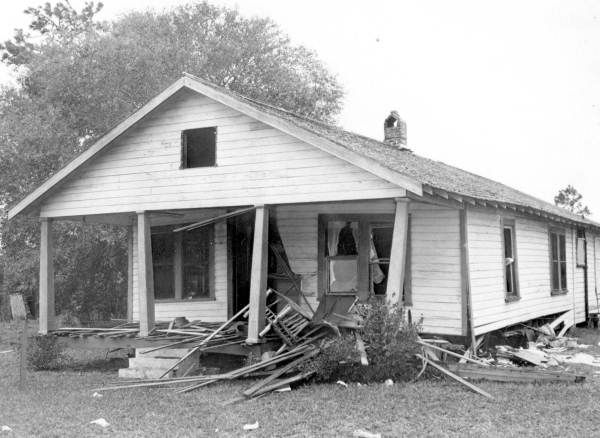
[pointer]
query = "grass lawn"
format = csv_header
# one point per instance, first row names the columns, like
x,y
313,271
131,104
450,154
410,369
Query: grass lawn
x,y
60,404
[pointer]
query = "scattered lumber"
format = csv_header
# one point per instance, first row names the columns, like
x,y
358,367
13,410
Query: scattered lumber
x,y
454,376
451,353
515,375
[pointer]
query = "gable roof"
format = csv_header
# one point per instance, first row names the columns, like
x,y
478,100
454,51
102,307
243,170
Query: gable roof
x,y
419,175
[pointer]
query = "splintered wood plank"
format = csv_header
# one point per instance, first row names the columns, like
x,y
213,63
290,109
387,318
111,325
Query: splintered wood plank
x,y
455,377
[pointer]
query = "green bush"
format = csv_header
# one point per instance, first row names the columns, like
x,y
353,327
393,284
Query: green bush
x,y
390,345
44,353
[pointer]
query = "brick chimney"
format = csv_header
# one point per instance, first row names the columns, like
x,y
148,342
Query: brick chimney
x,y
394,129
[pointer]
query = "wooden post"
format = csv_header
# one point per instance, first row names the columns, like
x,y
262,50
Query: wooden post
x,y
145,274
395,280
258,276
46,288
130,273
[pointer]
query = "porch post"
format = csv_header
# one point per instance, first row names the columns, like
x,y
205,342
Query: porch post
x,y
258,275
46,287
145,274
130,273
395,280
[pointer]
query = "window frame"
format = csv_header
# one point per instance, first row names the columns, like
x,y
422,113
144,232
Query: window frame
x,y
183,164
365,222
515,295
558,231
178,265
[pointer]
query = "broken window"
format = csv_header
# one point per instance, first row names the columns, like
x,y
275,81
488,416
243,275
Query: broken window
x,y
198,147
558,261
342,257
510,260
182,263
379,257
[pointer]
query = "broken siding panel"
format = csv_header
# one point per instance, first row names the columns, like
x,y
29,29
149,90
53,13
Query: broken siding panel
x,y
486,266
256,164
436,268
210,310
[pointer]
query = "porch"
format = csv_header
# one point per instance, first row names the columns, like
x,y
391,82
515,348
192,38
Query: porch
x,y
207,264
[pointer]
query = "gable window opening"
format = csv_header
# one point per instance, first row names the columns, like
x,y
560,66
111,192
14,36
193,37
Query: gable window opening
x,y
198,147
183,263
511,285
558,261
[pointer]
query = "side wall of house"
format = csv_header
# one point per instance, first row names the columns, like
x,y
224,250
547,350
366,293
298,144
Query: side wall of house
x,y
593,262
435,248
255,164
486,266
210,310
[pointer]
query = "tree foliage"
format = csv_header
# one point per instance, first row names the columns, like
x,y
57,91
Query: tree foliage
x,y
78,77
570,199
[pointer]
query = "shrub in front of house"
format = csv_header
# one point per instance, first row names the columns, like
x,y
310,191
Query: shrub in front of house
x,y
390,342
44,353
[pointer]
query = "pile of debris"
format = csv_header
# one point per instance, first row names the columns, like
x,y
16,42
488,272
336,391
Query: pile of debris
x,y
298,333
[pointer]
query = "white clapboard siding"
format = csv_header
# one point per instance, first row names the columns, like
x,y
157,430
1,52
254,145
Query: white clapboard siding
x,y
490,311
578,284
256,164
436,263
436,268
211,310
594,263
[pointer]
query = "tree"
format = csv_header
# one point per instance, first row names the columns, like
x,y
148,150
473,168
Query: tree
x,y
570,199
78,77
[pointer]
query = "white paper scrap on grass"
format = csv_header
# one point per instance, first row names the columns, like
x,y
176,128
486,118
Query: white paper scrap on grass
x,y
344,384
251,426
5,428
101,422
96,395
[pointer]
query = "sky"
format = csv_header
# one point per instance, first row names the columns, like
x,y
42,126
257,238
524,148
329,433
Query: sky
x,y
506,89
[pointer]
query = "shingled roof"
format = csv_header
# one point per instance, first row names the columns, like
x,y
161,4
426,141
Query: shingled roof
x,y
436,176
396,164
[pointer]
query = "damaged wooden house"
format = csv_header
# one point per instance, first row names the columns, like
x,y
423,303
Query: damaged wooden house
x,y
220,193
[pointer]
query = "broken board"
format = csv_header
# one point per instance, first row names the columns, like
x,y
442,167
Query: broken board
x,y
516,375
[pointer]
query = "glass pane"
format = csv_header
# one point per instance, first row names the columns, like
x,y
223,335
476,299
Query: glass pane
x,y
196,258
508,251
562,245
163,282
555,283
563,275
509,279
343,274
163,246
553,245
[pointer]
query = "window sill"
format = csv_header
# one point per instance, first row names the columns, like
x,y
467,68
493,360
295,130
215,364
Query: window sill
x,y
182,300
559,292
512,298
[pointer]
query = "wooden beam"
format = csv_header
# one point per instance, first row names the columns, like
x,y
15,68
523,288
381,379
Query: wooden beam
x,y
221,217
47,319
145,274
258,275
130,273
395,280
